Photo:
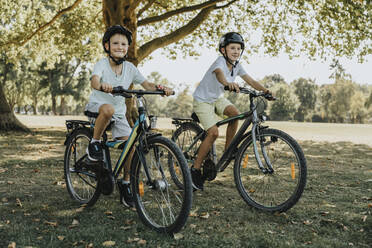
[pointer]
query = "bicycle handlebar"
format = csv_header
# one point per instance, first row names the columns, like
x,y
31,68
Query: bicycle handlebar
x,y
253,93
119,90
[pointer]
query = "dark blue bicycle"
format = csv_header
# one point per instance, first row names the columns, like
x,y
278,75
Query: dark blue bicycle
x,y
160,203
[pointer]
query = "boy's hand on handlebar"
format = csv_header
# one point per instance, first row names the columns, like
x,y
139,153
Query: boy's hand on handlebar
x,y
106,87
269,95
233,87
166,90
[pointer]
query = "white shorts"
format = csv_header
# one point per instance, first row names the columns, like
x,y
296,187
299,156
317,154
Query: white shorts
x,y
120,128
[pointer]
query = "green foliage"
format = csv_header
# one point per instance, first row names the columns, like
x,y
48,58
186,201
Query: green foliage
x,y
285,105
306,94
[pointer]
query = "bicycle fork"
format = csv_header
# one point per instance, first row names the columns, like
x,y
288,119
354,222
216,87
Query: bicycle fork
x,y
269,169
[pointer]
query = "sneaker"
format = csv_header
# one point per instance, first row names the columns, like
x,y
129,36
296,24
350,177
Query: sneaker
x,y
197,179
94,151
126,196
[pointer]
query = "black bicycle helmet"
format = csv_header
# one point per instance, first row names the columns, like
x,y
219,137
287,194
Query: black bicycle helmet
x,y
231,37
116,29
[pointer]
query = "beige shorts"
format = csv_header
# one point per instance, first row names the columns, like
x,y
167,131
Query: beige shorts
x,y
208,113
121,126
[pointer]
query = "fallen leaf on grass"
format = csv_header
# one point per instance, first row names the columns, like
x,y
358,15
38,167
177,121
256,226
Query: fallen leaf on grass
x,y
18,202
204,215
329,205
2,170
108,243
4,199
39,238
369,205
10,182
130,240
177,236
90,245
324,213
108,212
364,218
200,231
125,227
141,242
192,225
81,209
60,238
50,223
74,223
130,222
307,222
12,245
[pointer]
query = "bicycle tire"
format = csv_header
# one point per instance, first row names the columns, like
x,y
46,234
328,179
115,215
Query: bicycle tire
x,y
161,204
183,137
280,190
81,182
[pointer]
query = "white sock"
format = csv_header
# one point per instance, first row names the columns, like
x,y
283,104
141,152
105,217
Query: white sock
x,y
94,140
126,182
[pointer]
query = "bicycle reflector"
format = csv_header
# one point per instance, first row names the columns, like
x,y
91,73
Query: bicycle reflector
x,y
293,174
141,189
245,162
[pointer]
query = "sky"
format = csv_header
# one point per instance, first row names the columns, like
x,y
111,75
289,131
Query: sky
x,y
191,70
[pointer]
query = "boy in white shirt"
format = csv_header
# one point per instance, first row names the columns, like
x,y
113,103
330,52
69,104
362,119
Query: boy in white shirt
x,y
109,72
209,101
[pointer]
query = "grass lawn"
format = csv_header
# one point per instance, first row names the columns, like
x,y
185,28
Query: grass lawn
x,y
36,210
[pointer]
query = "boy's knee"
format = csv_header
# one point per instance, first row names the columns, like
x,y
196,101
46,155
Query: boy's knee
x,y
107,110
213,132
231,110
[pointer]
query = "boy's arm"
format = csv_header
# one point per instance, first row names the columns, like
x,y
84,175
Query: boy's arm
x,y
152,87
96,84
222,79
254,83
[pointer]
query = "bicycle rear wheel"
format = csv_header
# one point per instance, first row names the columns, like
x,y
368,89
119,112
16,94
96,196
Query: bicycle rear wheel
x,y
186,137
81,181
160,203
277,191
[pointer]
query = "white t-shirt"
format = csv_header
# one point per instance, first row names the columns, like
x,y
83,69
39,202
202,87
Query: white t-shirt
x,y
210,89
130,74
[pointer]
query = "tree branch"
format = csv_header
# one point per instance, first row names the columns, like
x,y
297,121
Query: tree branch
x,y
177,12
226,5
146,7
41,28
134,5
174,36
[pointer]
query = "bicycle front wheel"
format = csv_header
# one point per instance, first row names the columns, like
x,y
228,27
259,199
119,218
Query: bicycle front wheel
x,y
81,181
277,191
160,203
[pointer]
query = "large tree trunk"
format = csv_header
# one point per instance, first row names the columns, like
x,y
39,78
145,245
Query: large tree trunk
x,y
8,121
62,106
122,12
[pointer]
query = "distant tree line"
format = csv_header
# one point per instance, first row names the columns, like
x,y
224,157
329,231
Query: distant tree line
x,y
64,90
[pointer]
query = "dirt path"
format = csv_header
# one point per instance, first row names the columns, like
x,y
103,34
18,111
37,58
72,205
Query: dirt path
x,y
355,133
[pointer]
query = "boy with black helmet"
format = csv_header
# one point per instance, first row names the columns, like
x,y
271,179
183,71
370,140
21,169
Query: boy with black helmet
x,y
109,72
209,101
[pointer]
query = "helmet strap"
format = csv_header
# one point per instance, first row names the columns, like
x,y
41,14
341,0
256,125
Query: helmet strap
x,y
116,61
230,62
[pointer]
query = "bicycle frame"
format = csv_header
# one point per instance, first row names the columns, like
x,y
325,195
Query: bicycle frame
x,y
138,130
249,117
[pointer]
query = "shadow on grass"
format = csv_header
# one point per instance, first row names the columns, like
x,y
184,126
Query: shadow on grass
x,y
36,210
